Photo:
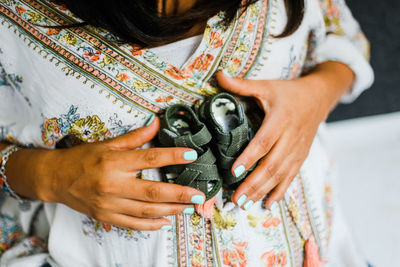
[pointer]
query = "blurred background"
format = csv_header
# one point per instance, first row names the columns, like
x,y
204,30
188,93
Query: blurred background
x,y
365,140
380,21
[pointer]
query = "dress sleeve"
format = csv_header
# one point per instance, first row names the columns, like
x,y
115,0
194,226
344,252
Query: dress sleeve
x,y
341,39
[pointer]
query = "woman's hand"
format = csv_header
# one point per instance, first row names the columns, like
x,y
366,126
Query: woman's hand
x,y
293,111
99,179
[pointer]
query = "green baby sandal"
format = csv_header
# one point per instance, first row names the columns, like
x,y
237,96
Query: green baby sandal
x,y
180,127
231,131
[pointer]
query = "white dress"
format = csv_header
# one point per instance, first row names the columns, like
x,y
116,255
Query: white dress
x,y
79,82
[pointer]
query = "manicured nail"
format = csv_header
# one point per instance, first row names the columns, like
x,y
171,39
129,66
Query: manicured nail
x,y
198,199
190,155
188,211
241,200
224,71
150,120
248,205
273,206
166,227
239,170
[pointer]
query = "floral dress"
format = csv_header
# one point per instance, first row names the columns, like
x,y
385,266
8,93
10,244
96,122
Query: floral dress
x,y
79,82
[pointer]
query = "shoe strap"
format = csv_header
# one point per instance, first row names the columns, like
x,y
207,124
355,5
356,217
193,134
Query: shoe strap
x,y
234,139
199,174
196,141
225,162
199,139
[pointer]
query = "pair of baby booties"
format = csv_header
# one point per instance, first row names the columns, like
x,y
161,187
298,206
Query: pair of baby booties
x,y
219,132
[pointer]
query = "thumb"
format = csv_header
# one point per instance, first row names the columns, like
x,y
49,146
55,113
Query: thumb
x,y
137,137
238,86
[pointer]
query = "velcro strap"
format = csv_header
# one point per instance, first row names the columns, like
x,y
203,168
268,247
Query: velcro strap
x,y
225,162
238,138
223,138
196,141
200,173
202,137
200,176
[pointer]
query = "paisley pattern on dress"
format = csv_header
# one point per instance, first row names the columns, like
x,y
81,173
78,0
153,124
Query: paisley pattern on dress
x,y
87,129
96,230
10,232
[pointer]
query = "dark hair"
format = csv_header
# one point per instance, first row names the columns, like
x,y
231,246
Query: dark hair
x,y
139,21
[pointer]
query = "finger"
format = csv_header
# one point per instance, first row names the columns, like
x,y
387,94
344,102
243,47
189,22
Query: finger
x,y
139,224
142,209
278,193
238,86
267,174
260,177
154,157
152,191
118,219
291,158
135,138
281,177
262,143
279,182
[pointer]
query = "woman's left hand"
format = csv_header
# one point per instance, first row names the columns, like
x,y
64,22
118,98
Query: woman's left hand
x,y
293,111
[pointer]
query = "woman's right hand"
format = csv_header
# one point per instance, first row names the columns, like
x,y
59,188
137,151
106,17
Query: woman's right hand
x,y
99,179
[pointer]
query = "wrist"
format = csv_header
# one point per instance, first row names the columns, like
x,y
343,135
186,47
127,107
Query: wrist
x,y
315,89
29,174
46,168
327,83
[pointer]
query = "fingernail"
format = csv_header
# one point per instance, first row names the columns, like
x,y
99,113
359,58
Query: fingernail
x,y
225,71
197,199
239,170
241,200
150,120
273,206
188,211
248,205
190,155
166,227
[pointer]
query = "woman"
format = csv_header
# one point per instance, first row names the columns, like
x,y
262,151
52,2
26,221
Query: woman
x,y
62,85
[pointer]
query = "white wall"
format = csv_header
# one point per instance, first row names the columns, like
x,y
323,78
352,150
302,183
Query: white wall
x,y
367,156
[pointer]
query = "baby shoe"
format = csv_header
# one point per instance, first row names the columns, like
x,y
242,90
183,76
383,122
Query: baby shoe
x,y
231,132
180,127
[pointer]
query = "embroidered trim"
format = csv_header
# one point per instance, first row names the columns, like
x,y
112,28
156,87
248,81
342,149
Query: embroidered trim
x,y
315,225
116,52
215,246
208,242
172,252
286,231
267,39
261,31
181,240
120,91
295,237
76,62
